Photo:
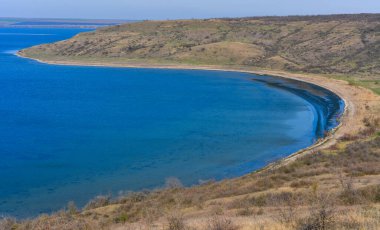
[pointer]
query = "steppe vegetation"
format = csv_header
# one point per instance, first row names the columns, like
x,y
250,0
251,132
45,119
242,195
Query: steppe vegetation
x,y
336,187
339,46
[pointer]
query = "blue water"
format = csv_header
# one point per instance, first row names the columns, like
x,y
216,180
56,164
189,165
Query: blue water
x,y
69,133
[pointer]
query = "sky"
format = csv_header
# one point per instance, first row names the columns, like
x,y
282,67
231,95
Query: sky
x,y
179,9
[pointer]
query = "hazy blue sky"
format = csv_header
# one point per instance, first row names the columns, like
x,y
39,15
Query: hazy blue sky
x,y
172,9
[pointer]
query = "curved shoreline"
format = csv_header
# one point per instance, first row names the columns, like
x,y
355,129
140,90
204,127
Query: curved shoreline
x,y
354,98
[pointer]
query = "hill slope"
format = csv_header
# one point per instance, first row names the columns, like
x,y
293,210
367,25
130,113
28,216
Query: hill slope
x,y
318,44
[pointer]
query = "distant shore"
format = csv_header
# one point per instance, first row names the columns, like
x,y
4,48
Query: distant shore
x,y
355,98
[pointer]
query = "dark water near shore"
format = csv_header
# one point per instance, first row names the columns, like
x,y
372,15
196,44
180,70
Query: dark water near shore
x,y
71,133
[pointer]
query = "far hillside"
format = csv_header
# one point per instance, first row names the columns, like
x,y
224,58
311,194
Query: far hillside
x,y
346,46
57,23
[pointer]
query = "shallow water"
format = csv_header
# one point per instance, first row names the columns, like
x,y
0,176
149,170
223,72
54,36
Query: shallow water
x,y
71,133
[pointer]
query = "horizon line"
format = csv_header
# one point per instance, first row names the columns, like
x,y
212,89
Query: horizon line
x,y
192,18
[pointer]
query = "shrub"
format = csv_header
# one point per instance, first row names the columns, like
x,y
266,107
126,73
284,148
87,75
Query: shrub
x,y
245,212
348,195
173,183
370,193
58,221
348,137
122,218
72,208
99,201
300,183
286,204
176,222
259,201
7,223
220,223
321,214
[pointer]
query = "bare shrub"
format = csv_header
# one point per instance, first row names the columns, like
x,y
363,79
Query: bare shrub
x,y
57,222
370,193
321,214
371,126
176,222
245,212
151,211
368,131
7,223
173,183
300,184
121,218
348,220
138,196
72,208
217,210
286,204
348,195
371,121
221,223
348,137
97,202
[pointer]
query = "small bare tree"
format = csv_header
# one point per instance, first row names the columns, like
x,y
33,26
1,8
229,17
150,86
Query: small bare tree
x,y
97,202
7,223
176,222
321,214
221,223
173,183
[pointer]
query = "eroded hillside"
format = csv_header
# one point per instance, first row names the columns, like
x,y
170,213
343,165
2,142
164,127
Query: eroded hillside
x,y
319,44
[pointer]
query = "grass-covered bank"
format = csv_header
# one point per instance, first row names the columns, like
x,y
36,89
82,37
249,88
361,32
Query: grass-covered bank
x,y
342,46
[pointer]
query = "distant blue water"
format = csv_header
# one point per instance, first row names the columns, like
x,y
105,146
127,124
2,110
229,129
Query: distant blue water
x,y
61,24
71,133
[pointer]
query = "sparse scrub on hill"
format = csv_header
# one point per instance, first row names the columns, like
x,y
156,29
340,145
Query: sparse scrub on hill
x,y
98,201
221,223
7,223
344,45
58,221
173,183
321,215
176,222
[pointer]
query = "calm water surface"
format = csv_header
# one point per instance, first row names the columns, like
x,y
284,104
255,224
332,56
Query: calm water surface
x,y
71,133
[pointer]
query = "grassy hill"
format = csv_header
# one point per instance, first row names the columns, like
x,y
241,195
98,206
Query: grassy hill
x,y
319,44
346,46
